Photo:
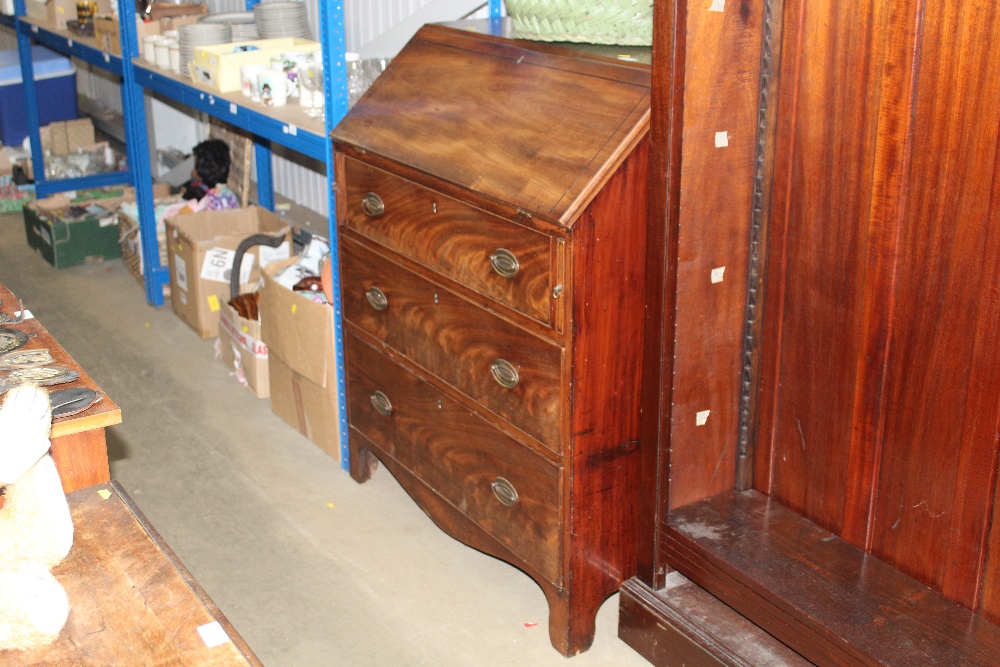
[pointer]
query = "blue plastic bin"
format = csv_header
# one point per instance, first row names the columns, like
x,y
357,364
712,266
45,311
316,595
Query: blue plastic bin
x,y
55,83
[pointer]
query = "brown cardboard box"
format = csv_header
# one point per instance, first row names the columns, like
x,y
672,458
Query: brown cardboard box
x,y
161,11
107,33
301,361
200,251
70,231
61,11
55,12
242,350
175,22
61,200
65,137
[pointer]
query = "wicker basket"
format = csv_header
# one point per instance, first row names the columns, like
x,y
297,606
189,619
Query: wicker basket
x,y
131,245
624,22
240,153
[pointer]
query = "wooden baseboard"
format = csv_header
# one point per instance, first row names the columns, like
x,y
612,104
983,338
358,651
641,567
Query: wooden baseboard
x,y
820,595
683,625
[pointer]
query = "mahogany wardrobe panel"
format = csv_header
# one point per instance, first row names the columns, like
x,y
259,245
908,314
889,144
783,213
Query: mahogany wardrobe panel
x,y
822,366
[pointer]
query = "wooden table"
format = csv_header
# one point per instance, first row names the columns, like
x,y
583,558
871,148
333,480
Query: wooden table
x,y
132,602
78,442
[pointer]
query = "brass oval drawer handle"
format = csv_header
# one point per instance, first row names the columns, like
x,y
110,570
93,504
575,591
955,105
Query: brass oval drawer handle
x,y
372,205
381,403
504,373
504,492
504,263
376,298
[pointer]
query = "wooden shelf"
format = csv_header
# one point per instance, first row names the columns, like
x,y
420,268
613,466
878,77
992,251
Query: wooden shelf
x,y
288,125
819,594
131,600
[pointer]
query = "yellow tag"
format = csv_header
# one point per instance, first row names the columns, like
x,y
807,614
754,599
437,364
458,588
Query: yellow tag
x,y
295,307
330,505
213,302
179,247
245,328
104,493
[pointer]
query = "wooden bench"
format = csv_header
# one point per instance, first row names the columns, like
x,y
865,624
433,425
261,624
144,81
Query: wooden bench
x,y
131,600
79,446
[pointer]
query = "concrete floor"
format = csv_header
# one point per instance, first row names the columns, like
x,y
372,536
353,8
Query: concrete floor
x,y
310,567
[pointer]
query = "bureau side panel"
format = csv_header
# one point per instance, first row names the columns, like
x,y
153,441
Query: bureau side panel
x,y
608,292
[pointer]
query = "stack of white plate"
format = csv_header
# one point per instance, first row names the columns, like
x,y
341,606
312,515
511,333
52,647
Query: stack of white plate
x,y
200,34
282,19
242,24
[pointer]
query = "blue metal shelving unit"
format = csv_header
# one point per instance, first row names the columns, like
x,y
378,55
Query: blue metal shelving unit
x,y
26,33
331,16
136,79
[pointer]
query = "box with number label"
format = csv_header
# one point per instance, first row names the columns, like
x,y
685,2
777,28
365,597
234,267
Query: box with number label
x,y
200,252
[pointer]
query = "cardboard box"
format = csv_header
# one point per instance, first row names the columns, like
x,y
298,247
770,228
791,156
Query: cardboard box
x,y
218,65
200,252
68,231
175,22
107,33
54,12
65,137
164,11
65,238
302,362
242,350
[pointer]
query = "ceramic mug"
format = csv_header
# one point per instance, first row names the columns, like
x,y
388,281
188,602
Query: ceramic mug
x,y
175,58
149,48
273,88
292,60
248,80
162,50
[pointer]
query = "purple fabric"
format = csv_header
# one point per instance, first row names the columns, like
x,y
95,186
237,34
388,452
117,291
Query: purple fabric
x,y
218,198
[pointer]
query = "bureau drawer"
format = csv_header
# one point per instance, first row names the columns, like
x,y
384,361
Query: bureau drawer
x,y
457,240
458,455
461,343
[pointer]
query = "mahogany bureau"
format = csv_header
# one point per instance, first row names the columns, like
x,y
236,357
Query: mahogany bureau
x,y
491,201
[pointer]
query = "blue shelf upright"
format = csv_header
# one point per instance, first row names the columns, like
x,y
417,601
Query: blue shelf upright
x,y
137,146
331,13
27,33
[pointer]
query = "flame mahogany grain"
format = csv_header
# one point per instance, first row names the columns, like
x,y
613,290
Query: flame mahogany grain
x,y
870,360
476,142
